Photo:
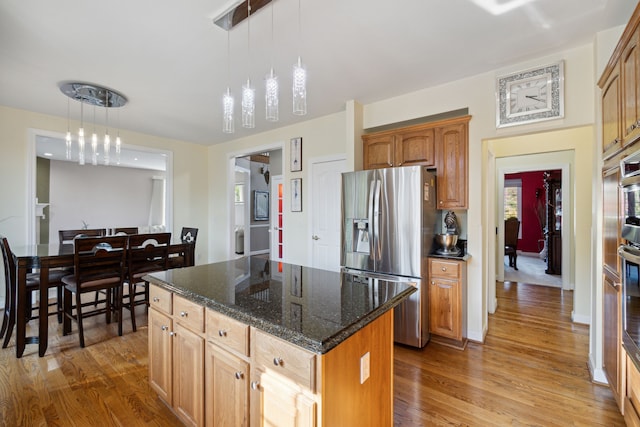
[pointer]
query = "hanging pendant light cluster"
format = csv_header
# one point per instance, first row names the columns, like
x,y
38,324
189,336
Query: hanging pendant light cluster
x,y
271,83
97,96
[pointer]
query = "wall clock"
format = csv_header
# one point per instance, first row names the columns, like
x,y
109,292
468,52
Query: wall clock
x,y
530,96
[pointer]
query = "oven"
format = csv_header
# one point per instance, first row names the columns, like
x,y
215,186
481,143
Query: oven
x,y
630,259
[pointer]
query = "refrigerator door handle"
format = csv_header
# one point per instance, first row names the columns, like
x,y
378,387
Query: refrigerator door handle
x,y
376,220
370,230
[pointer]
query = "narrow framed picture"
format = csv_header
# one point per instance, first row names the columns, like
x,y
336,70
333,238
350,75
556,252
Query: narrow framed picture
x,y
296,195
296,154
296,281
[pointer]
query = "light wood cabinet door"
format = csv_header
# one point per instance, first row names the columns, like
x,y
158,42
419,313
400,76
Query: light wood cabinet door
x,y
443,303
611,332
630,74
160,354
378,151
227,388
611,114
277,402
452,154
611,222
415,148
188,378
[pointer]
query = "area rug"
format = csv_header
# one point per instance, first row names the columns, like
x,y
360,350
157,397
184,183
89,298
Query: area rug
x,y
531,270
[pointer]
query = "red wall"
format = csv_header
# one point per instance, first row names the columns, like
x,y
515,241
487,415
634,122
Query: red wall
x,y
531,231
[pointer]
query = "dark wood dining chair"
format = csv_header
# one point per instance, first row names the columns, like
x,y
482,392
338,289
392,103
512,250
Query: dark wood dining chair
x,y
187,235
99,264
67,236
146,253
511,229
125,231
10,315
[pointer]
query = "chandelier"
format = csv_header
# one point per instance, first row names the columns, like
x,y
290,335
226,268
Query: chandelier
x,y
231,17
96,96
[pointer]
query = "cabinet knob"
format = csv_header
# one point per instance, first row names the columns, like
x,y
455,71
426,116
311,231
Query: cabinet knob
x,y
441,202
164,327
183,314
278,361
433,283
222,333
255,385
156,299
172,334
314,237
444,268
239,375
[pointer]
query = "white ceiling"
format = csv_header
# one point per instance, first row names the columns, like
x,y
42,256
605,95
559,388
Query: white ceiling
x,y
169,59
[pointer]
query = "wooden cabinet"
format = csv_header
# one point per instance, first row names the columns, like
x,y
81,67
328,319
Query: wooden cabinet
x,y
611,223
227,388
611,332
452,158
630,78
632,392
443,145
411,146
176,354
447,293
611,114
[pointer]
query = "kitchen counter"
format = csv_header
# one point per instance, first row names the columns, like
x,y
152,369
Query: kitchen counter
x,y
314,309
461,257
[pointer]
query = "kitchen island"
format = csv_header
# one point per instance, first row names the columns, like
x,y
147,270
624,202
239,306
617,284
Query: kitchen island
x,y
256,342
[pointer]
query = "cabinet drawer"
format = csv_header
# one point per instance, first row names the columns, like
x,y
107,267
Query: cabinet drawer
x,y
227,332
188,314
293,362
160,299
445,269
630,415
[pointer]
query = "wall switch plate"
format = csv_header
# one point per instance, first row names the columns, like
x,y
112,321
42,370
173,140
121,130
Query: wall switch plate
x,y
365,367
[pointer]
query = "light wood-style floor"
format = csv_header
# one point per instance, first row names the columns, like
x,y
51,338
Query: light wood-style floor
x,y
532,370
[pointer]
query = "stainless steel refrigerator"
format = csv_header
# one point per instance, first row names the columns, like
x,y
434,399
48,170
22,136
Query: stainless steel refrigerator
x,y
389,218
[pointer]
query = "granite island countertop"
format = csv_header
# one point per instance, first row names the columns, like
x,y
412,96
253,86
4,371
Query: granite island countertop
x,y
314,309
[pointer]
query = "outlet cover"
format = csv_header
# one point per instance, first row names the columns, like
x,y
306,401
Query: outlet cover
x,y
365,367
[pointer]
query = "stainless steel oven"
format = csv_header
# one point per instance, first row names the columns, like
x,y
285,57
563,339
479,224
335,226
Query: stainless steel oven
x,y
630,257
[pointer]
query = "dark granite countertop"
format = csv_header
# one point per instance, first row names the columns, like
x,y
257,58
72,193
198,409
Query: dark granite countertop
x,y
314,309
460,257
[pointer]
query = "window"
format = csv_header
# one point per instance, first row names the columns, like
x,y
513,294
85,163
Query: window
x,y
513,200
239,191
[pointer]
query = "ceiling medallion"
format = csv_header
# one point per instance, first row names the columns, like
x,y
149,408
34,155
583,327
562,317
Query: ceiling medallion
x,y
89,93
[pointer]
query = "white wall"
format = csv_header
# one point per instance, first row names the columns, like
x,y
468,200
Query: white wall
x,y
101,196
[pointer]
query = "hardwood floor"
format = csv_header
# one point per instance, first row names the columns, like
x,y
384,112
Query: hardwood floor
x,y
532,370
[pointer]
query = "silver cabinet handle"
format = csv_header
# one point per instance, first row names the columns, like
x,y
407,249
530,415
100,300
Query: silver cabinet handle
x,y
183,314
239,375
164,327
278,361
222,333
156,299
172,334
314,237
444,268
255,385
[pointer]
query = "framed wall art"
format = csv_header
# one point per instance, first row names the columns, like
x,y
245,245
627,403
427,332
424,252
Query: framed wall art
x,y
296,154
260,205
296,195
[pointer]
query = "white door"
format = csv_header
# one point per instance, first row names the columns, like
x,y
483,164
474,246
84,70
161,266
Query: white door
x,y
326,215
277,216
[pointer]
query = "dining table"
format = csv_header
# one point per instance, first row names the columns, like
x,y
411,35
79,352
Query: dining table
x,y
45,257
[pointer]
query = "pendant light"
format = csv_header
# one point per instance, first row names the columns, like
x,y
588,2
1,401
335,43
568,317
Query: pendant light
x,y
299,78
68,137
81,135
228,125
248,92
271,85
107,138
118,141
94,141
